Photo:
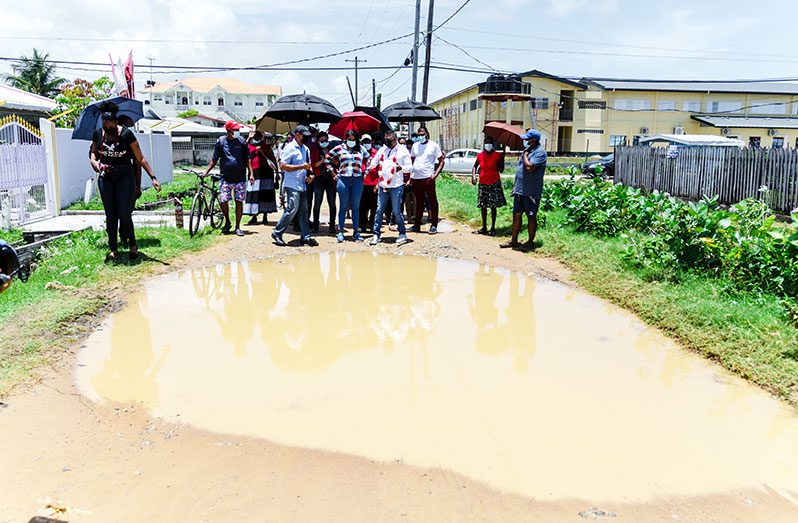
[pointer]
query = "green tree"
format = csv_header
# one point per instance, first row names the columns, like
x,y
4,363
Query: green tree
x,y
77,94
35,74
188,114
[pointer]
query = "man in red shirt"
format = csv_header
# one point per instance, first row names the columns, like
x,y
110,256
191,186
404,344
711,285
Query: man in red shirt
x,y
490,164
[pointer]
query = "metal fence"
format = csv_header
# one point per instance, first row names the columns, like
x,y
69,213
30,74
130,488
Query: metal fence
x,y
24,184
729,173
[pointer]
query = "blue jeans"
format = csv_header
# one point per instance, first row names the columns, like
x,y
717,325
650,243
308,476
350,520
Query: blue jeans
x,y
395,194
350,189
296,203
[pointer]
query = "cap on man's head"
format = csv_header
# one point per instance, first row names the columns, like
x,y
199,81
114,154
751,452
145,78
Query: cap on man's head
x,y
232,125
302,129
531,134
366,137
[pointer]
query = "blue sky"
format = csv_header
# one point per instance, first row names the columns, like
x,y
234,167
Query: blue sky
x,y
698,39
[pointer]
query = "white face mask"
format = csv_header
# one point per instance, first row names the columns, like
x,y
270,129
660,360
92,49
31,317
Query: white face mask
x,y
526,144
351,144
488,147
423,139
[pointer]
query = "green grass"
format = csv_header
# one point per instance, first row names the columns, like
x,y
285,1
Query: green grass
x,y
181,182
751,334
70,283
11,236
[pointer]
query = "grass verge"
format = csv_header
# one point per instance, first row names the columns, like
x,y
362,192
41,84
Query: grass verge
x,y
67,289
751,334
181,182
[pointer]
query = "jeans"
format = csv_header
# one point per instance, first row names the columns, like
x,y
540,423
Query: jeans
x,y
324,185
118,193
296,205
395,195
421,188
350,189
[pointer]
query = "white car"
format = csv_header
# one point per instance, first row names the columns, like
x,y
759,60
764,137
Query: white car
x,y
460,161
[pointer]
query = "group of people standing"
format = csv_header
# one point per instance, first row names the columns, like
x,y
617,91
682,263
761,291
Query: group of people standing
x,y
370,178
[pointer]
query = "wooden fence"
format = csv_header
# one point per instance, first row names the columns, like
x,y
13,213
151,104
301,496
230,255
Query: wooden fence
x,y
730,173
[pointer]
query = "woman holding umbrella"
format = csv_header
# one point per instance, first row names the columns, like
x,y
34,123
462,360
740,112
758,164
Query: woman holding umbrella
x,y
346,163
114,152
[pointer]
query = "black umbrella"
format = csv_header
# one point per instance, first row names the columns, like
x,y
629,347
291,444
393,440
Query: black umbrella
x,y
303,108
385,125
90,119
410,111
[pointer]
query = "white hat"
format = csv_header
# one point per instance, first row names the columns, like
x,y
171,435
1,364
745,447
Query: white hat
x,y
366,136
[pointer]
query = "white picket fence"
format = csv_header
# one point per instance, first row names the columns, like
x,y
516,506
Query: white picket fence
x,y
25,193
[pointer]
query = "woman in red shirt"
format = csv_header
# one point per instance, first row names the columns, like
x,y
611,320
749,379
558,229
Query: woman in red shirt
x,y
491,195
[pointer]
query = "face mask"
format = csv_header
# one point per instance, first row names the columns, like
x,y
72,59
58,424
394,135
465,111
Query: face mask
x,y
351,144
367,145
526,144
423,139
323,145
236,134
489,147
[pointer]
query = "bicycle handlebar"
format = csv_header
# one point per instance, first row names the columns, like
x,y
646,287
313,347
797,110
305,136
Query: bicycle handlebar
x,y
201,175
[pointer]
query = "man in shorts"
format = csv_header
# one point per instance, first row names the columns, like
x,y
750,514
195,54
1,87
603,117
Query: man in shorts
x,y
232,153
528,189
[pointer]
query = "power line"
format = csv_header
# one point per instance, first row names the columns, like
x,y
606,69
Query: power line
x,y
439,37
382,18
366,19
451,15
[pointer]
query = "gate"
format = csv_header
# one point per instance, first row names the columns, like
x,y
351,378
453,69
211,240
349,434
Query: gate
x,y
25,194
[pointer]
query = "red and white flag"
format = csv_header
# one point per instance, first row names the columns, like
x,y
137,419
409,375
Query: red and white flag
x,y
131,86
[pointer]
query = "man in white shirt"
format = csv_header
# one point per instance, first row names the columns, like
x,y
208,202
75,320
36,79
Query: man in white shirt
x,y
391,161
427,165
297,174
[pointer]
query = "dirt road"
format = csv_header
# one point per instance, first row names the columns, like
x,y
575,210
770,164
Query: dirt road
x,y
71,459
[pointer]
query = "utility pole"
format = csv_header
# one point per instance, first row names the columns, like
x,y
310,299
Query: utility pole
x,y
350,91
415,51
356,61
425,88
373,92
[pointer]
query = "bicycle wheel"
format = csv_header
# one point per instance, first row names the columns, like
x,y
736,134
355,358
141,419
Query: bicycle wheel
x,y
197,210
215,212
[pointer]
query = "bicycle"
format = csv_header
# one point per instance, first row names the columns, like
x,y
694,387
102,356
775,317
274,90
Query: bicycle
x,y
200,208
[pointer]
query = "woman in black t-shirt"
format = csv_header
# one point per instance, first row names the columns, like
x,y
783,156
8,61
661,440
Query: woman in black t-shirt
x,y
114,152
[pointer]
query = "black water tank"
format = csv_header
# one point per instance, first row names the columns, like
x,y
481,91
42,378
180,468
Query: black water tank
x,y
514,83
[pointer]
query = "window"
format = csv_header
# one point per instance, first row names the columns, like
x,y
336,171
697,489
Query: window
x,y
455,154
624,104
754,142
584,104
694,106
666,105
472,105
778,142
258,102
471,155
167,101
158,98
480,104
206,100
724,107
617,139
238,102
196,102
464,107
272,98
540,103
220,102
768,108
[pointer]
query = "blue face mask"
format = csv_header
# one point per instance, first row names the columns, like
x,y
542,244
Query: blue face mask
x,y
526,144
489,147
351,143
324,144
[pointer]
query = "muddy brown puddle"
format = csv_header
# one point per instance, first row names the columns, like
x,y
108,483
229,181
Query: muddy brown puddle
x,y
523,384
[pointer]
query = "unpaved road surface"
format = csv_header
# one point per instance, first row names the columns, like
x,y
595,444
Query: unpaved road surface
x,y
73,459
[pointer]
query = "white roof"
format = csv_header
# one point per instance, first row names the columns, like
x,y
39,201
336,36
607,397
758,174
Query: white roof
x,y
13,98
178,126
696,140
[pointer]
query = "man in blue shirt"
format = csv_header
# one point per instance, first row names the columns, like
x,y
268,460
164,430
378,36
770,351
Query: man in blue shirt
x,y
528,189
232,151
295,163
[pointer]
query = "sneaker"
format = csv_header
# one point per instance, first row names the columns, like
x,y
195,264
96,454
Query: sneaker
x,y
226,228
310,242
401,240
374,240
357,237
433,230
239,232
340,237
415,228
278,239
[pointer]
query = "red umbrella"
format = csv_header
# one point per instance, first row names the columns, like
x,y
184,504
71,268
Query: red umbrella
x,y
357,121
505,134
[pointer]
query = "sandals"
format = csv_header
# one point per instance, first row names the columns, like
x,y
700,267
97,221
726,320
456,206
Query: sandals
x,y
482,231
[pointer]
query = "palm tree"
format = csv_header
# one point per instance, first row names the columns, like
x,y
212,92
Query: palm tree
x,y
34,74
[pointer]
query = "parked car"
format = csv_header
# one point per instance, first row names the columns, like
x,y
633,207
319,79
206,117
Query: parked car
x,y
608,163
460,160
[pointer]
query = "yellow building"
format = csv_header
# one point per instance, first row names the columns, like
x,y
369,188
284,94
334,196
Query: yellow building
x,y
593,115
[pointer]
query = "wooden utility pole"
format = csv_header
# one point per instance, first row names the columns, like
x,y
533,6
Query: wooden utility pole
x,y
425,88
373,92
350,92
355,99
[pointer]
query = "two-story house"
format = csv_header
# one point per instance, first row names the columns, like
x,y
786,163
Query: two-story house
x,y
215,100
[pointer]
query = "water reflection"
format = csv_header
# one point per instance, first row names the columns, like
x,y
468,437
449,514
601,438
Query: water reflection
x,y
525,385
